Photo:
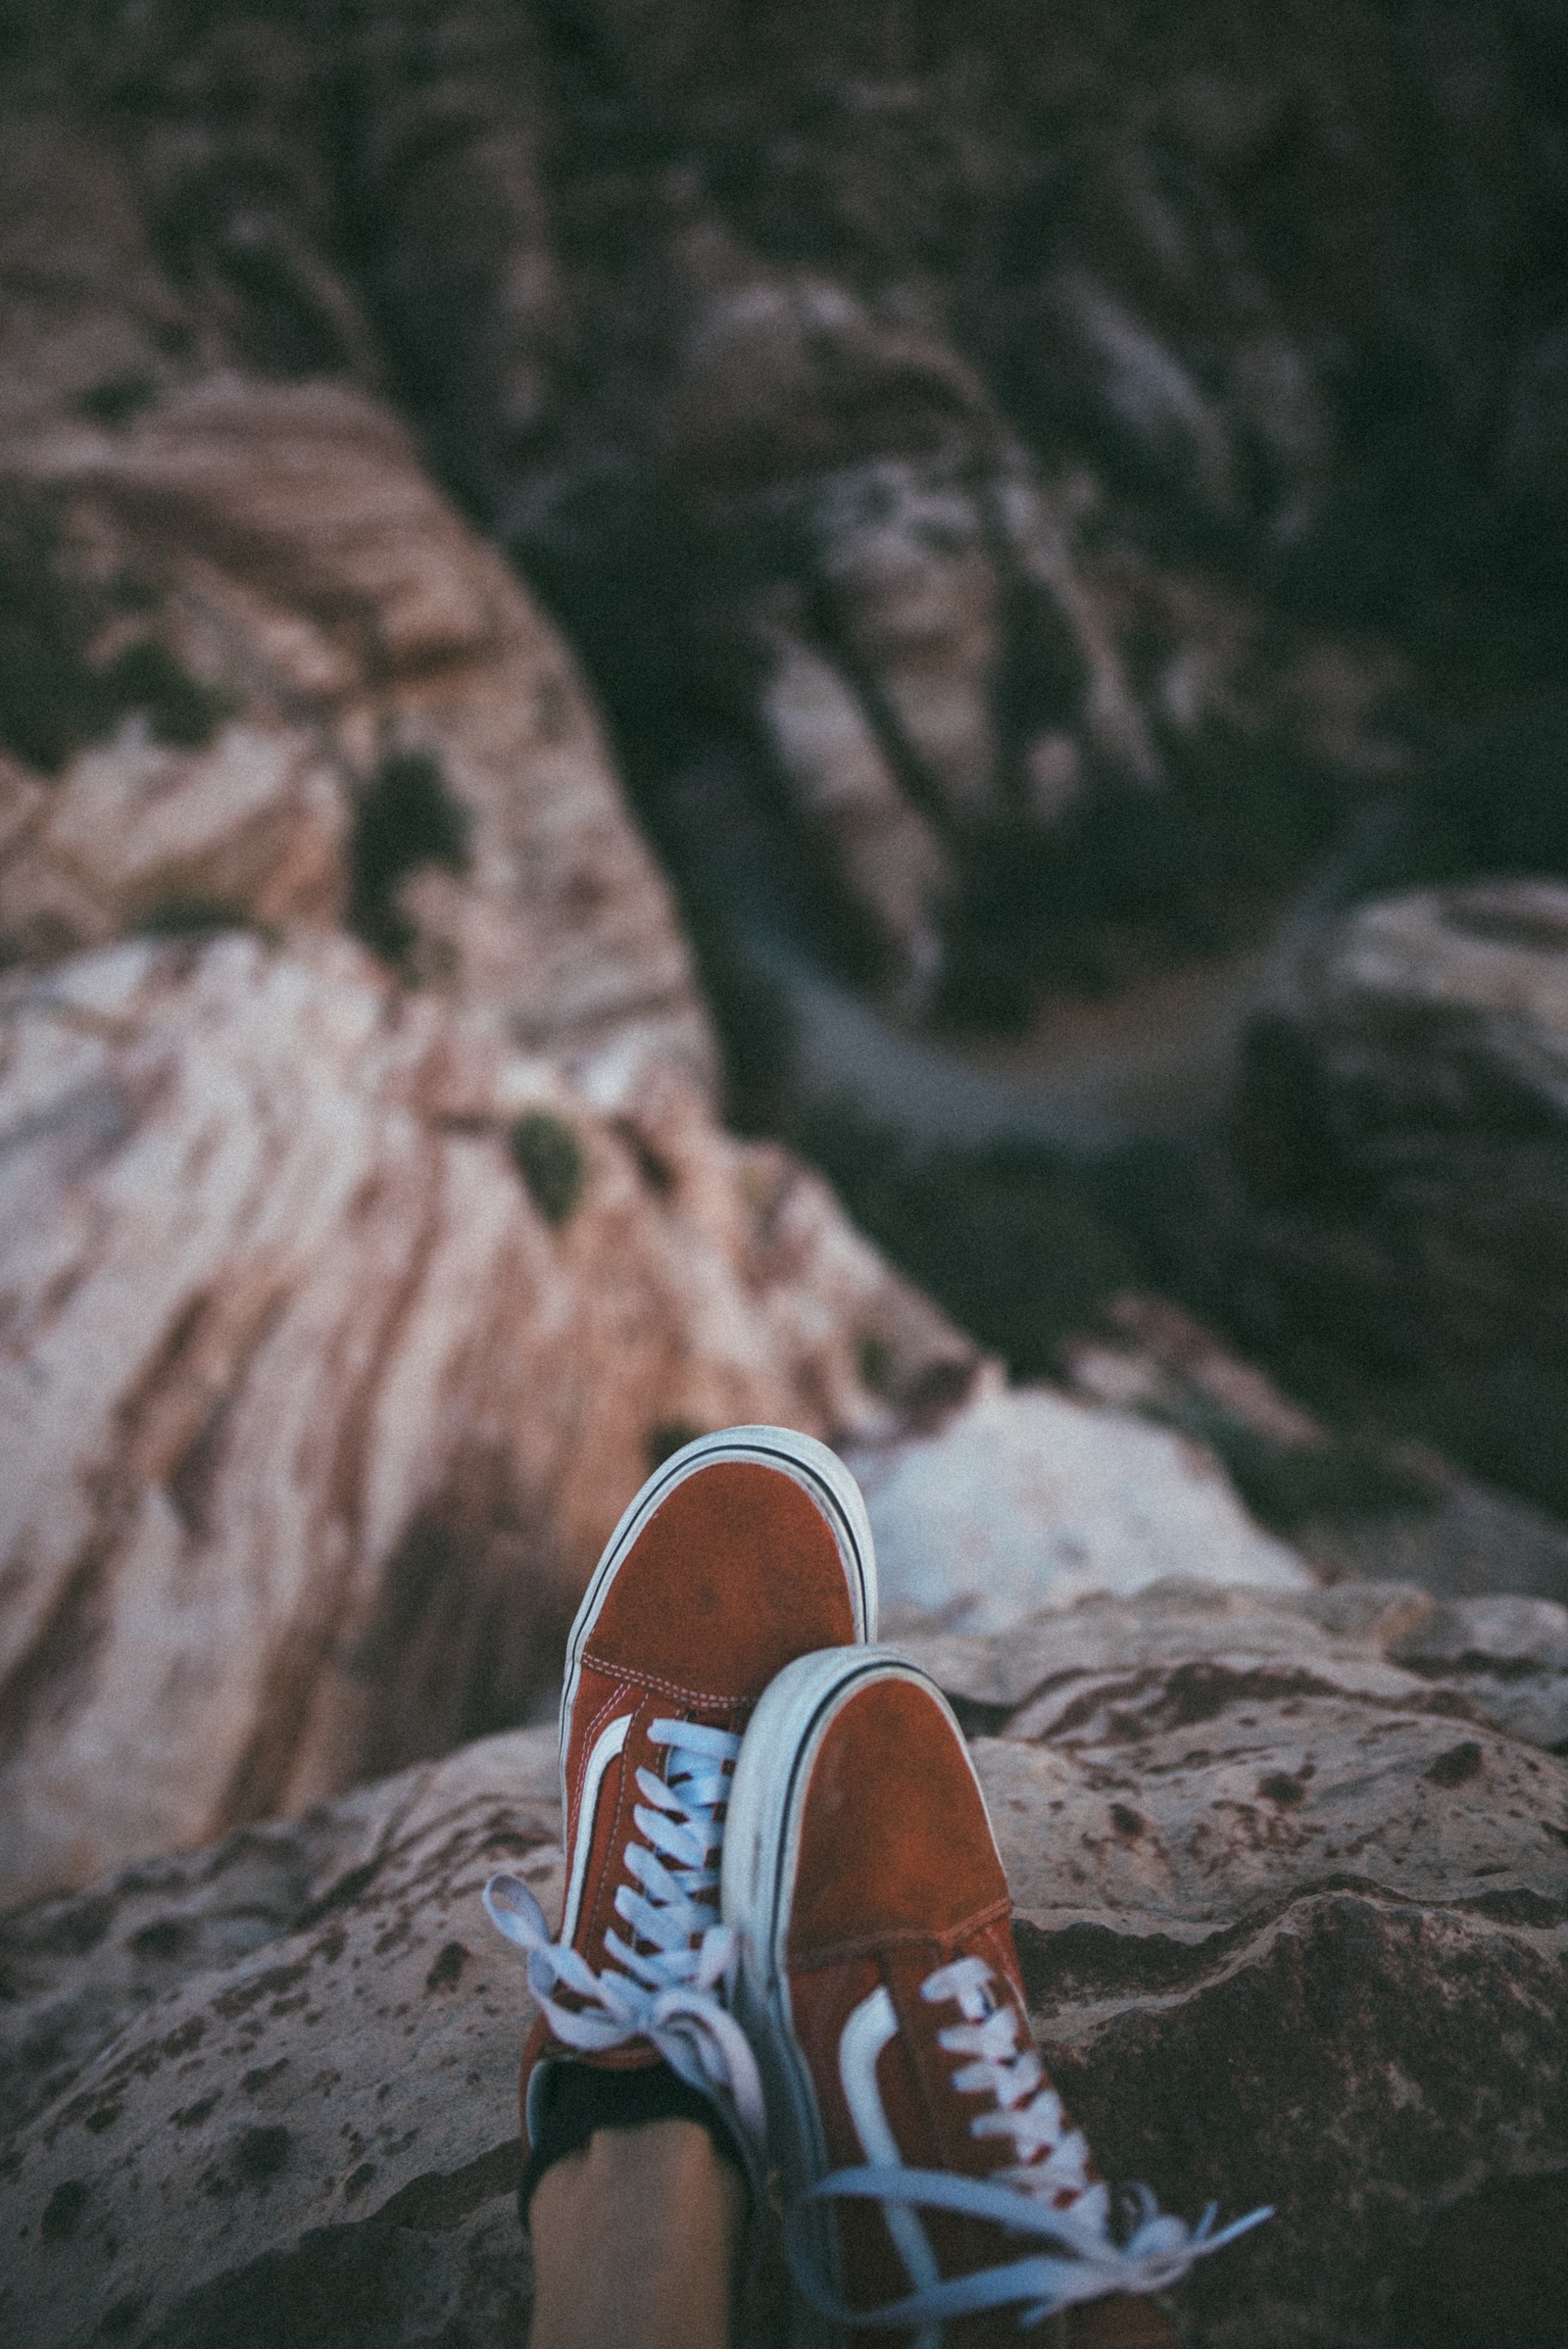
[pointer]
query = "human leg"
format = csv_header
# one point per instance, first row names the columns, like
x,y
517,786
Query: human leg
x,y
742,1552
636,2239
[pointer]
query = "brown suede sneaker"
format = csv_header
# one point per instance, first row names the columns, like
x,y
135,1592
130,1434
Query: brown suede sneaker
x,y
934,2187
742,1552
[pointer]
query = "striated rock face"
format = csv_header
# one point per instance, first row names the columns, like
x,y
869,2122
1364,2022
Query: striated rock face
x,y
259,670
797,416
336,1340
1029,1498
1406,1124
1291,1894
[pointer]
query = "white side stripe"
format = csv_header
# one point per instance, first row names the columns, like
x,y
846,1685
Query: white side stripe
x,y
606,1747
869,2028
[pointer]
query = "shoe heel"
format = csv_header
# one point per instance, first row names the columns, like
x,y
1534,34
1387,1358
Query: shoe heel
x,y
761,1836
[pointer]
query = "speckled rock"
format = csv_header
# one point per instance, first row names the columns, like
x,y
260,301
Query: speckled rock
x,y
1290,1875
337,1338
1291,1895
1503,1660
307,2129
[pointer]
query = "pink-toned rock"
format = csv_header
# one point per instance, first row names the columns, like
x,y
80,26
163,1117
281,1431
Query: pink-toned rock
x,y
281,550
1032,1499
336,1341
137,832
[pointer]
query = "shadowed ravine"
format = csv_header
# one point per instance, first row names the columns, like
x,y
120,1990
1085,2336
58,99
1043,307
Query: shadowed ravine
x,y
1159,1058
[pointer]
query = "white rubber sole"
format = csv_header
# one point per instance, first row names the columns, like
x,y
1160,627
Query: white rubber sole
x,y
756,1896
816,1470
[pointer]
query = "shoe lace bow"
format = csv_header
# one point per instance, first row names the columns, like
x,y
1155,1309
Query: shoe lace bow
x,y
1045,2191
673,1978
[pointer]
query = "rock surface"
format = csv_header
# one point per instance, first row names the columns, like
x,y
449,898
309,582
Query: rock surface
x,y
1031,1498
798,415
266,673
1291,1907
1295,1931
336,1340
1406,1124
976,370
309,2130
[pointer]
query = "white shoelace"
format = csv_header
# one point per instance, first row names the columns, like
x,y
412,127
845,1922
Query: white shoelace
x,y
674,1991
1050,2161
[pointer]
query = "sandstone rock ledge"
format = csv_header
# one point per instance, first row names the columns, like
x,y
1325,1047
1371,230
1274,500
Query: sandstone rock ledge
x,y
1294,1914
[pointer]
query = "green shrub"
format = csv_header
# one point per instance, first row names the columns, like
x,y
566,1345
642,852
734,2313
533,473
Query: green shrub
x,y
550,1158
53,698
191,917
118,398
405,819
668,1438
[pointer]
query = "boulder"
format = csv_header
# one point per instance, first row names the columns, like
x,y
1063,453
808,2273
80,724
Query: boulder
x,y
261,669
1292,1915
338,1337
1030,1498
1405,1125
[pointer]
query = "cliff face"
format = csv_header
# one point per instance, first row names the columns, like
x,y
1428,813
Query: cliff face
x,y
985,477
1032,453
338,1338
258,669
368,1230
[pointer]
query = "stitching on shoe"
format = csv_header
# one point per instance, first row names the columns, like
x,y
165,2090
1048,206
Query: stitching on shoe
x,y
664,1688
840,1953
